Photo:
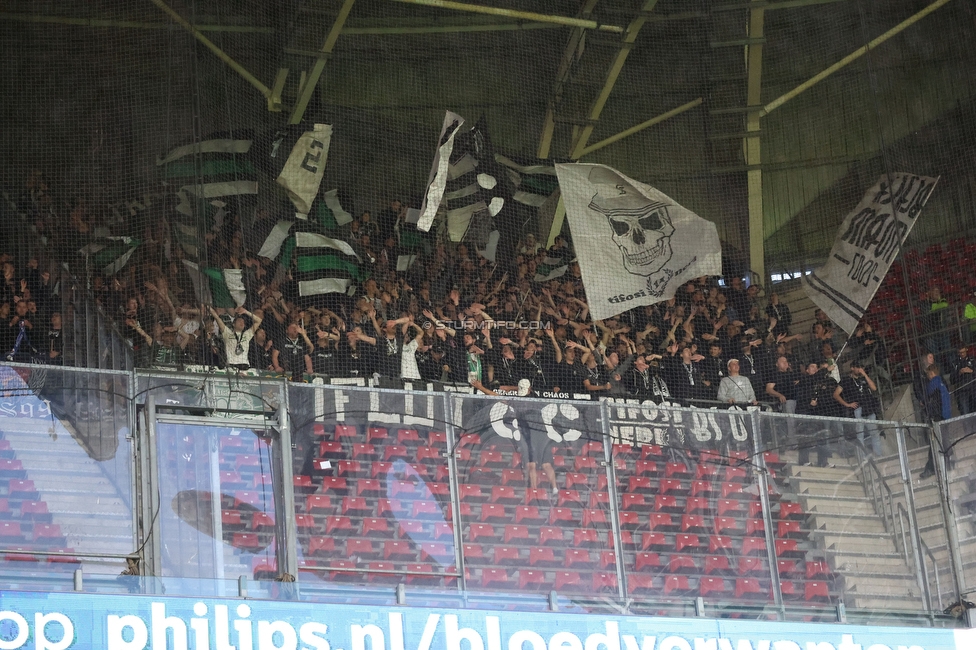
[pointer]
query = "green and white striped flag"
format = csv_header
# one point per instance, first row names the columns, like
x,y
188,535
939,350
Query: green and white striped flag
x,y
217,287
325,265
109,254
552,267
203,176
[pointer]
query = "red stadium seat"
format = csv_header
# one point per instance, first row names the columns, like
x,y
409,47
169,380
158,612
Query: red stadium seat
x,y
731,489
528,514
640,584
414,569
639,484
594,516
705,472
599,499
494,579
321,546
494,513
751,566
629,520
748,588
622,449
676,584
473,552
503,494
666,503
651,451
702,489
789,568
712,586
536,496
356,506
656,541
753,545
425,509
377,434
345,431
513,477
568,580
303,484
735,474
436,438
608,560
339,525
646,468
361,451
542,556
676,470
817,569
582,463
492,459
693,524
718,543
349,468
754,526
682,564
262,522
586,538
549,535
443,531
788,548
631,501
398,550
669,486
334,484
683,542
696,505
575,557
243,541
726,506
574,479
593,448
726,525
231,519
394,452
360,547
470,493
662,521
374,527
528,579
816,591
717,564
788,529
506,555
425,454
408,437
604,581
557,515
788,510
481,531
305,524
568,498
647,560
408,529
371,487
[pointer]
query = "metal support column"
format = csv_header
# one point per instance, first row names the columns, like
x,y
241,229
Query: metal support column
x,y
618,546
307,88
150,492
287,528
762,478
952,538
132,419
455,492
750,144
916,535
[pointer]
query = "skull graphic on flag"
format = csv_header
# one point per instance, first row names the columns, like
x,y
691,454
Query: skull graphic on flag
x,y
635,245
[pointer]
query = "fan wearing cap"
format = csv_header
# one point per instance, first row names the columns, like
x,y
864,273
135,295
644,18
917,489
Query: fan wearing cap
x,y
734,388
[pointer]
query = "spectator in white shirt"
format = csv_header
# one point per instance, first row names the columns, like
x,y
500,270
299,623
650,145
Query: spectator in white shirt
x,y
237,339
734,388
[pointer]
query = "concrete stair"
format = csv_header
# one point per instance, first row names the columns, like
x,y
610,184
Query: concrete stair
x,y
81,498
845,524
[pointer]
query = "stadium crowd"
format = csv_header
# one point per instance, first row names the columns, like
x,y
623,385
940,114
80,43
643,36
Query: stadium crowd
x,y
452,317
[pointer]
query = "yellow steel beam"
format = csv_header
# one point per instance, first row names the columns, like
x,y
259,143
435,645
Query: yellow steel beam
x,y
630,35
751,143
515,13
309,83
562,74
128,24
640,127
274,101
853,56
223,56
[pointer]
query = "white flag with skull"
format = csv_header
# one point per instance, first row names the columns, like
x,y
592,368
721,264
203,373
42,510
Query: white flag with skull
x,y
635,245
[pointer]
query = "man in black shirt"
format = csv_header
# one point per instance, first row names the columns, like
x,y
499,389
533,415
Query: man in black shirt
x,y
292,358
782,385
503,366
569,373
814,396
859,395
261,351
325,360
532,367
713,368
54,355
962,376
751,366
683,376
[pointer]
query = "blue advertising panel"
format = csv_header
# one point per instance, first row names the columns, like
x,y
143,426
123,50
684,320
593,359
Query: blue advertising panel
x,y
62,621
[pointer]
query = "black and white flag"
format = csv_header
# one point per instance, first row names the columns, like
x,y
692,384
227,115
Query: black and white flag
x,y
302,173
437,183
867,243
635,245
